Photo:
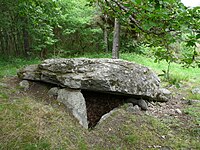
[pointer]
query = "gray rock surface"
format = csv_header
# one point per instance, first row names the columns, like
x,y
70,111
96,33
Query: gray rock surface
x,y
30,73
4,85
107,115
53,92
133,109
24,85
75,102
196,90
178,111
140,102
143,104
163,95
105,75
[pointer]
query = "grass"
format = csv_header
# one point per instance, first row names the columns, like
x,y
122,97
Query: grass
x,y
27,124
193,96
30,124
177,71
195,112
9,67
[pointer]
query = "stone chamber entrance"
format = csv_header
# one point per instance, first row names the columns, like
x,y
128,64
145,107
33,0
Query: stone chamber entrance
x,y
99,104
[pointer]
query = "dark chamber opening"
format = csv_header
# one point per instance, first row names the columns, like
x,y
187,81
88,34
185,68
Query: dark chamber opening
x,y
98,104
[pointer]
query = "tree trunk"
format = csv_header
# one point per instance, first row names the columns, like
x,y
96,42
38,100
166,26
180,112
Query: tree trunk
x,y
106,39
105,32
26,36
1,43
26,41
116,42
43,53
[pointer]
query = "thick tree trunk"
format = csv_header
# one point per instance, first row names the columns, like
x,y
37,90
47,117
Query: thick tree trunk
x,y
116,41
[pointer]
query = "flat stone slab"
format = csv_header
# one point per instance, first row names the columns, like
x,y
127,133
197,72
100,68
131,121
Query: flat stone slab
x,y
104,75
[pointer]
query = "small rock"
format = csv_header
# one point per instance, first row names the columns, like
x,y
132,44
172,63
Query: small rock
x,y
104,117
143,105
24,85
150,105
4,85
133,109
196,91
136,108
162,104
53,92
172,112
178,111
190,102
163,137
164,95
157,146
183,98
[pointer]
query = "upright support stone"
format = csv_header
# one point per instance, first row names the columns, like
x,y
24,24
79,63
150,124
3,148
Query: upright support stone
x,y
74,100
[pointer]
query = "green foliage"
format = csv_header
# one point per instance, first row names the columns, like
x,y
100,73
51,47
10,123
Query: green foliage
x,y
66,27
189,51
38,27
158,23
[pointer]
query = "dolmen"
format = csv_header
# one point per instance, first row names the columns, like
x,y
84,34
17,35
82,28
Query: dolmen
x,y
114,76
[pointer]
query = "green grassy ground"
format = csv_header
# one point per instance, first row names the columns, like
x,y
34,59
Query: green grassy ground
x,y
10,66
28,123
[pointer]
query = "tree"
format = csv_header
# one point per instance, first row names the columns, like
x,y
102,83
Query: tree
x,y
27,25
42,27
159,22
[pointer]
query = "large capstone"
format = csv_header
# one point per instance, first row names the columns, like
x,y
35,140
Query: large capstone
x,y
104,75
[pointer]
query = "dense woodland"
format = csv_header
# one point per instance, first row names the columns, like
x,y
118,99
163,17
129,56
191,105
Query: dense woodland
x,y
45,28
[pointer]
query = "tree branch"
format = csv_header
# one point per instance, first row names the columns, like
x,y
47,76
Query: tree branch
x,y
134,21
